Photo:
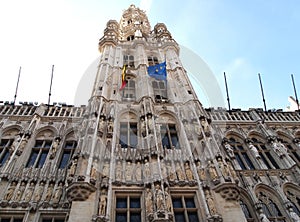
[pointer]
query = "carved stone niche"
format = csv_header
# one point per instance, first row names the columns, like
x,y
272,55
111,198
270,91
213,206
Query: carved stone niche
x,y
229,191
79,191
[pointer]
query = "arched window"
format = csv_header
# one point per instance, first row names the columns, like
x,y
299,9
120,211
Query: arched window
x,y
168,131
6,142
246,211
269,206
293,195
128,93
292,149
265,154
68,150
241,154
40,149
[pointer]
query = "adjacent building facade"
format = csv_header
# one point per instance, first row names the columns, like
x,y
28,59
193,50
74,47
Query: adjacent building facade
x,y
149,151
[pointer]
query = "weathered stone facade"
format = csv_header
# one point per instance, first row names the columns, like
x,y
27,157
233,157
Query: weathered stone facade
x,y
149,151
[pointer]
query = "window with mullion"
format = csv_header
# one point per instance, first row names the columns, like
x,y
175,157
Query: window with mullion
x,y
241,154
15,218
68,151
159,89
152,60
39,153
292,151
128,135
185,208
128,208
246,211
4,150
128,60
128,93
265,154
169,137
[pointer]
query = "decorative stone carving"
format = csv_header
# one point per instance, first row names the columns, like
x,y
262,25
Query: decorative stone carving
x,y
201,171
143,126
212,171
147,172
49,192
94,170
254,150
188,172
128,172
262,216
159,197
20,191
57,193
101,125
224,169
29,192
39,192
102,202
138,171
210,203
55,145
279,148
149,201
229,150
179,172
72,167
168,200
10,191
150,123
119,171
22,144
293,215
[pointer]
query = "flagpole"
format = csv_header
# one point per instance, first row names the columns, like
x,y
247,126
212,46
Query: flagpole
x,y
228,101
262,92
295,91
15,97
50,85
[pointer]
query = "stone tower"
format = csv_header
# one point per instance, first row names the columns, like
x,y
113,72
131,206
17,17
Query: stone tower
x,y
146,151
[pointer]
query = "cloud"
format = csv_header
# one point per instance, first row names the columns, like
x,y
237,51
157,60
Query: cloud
x,y
146,5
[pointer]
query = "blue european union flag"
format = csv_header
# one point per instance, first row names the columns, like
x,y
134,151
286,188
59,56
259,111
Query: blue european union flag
x,y
158,71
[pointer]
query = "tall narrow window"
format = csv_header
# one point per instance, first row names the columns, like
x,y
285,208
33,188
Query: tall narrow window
x,y
128,209
39,153
68,151
246,211
4,150
160,90
169,137
14,218
128,135
265,154
241,154
185,208
292,151
152,60
128,93
129,61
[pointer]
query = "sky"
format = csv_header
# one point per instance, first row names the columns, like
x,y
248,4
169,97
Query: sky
x,y
241,38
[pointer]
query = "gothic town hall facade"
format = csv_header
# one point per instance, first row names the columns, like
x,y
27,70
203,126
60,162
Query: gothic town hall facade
x,y
148,151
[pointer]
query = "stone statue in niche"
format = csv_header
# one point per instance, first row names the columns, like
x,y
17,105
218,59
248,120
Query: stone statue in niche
x,y
179,172
188,172
110,126
58,193
262,216
102,202
22,145
168,200
128,172
279,148
138,171
15,143
10,191
212,170
149,201
72,168
229,150
171,173
94,169
294,216
49,192
205,126
20,191
39,192
201,171
119,171
159,196
55,145
147,172
254,151
210,203
101,124
224,168
29,192
105,170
